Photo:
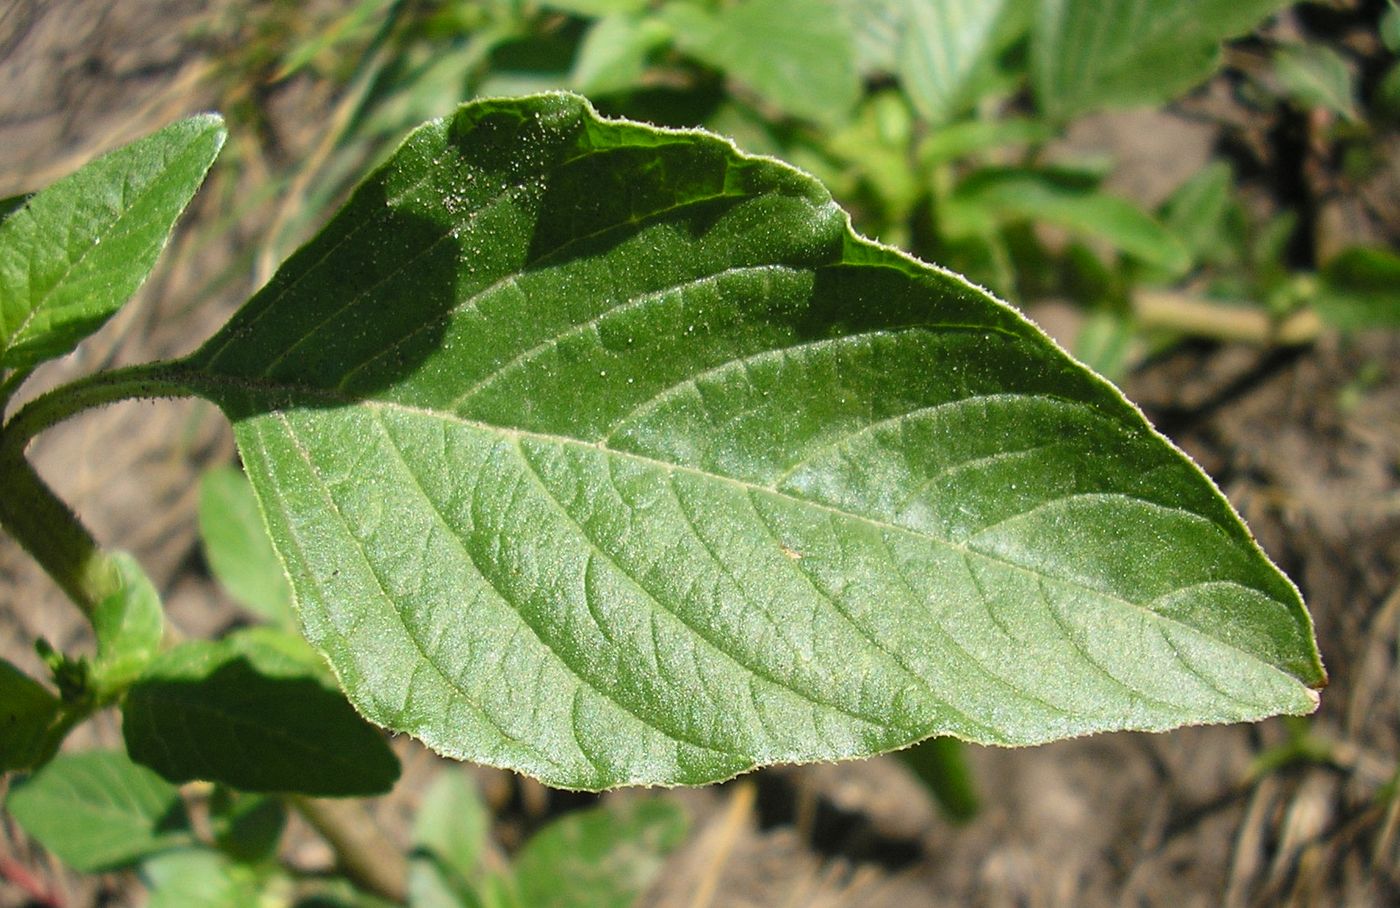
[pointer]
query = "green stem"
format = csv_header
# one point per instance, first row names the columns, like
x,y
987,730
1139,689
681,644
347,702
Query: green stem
x,y
30,511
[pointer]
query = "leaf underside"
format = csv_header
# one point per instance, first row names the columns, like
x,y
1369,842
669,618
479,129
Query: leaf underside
x,y
611,455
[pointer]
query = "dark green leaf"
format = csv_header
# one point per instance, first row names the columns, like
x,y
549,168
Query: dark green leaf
x,y
795,54
98,810
77,251
129,625
610,454
28,715
237,548
247,827
252,713
605,857
1087,54
1360,289
11,204
941,764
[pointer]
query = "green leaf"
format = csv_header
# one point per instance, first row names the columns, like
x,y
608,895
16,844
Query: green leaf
x,y
79,249
238,549
1316,76
796,54
129,625
252,713
596,8
605,857
609,454
614,53
961,140
1195,213
995,196
246,827
29,713
98,810
941,764
1360,289
11,204
946,50
449,837
199,878
1087,54
1390,27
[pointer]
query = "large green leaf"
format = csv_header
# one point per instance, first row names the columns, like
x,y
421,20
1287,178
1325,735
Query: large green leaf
x,y
1096,53
98,810
75,252
796,54
610,454
253,712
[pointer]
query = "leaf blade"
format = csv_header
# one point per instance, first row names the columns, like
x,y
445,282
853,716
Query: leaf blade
x,y
653,444
58,282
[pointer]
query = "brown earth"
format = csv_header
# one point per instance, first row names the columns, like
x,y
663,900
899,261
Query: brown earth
x,y
1306,443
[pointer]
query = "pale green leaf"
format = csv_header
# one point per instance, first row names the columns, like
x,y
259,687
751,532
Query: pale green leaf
x,y
129,625
605,857
75,252
795,54
449,838
614,53
1195,213
1316,76
970,137
237,548
28,715
98,810
595,8
609,454
198,878
945,49
993,197
1087,54
250,713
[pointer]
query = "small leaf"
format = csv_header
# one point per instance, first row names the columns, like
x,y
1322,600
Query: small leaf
x,y
199,878
1087,54
1360,289
129,625
449,836
1316,76
614,53
247,827
249,713
98,810
1195,213
29,713
995,196
237,548
941,764
605,857
960,140
596,8
610,454
79,249
795,54
946,51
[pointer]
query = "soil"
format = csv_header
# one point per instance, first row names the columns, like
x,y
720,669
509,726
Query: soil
x,y
1305,442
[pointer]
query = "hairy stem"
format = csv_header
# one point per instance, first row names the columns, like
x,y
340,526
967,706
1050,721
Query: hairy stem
x,y
30,511
367,857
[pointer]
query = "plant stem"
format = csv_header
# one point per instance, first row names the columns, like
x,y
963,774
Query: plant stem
x,y
46,527
367,857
